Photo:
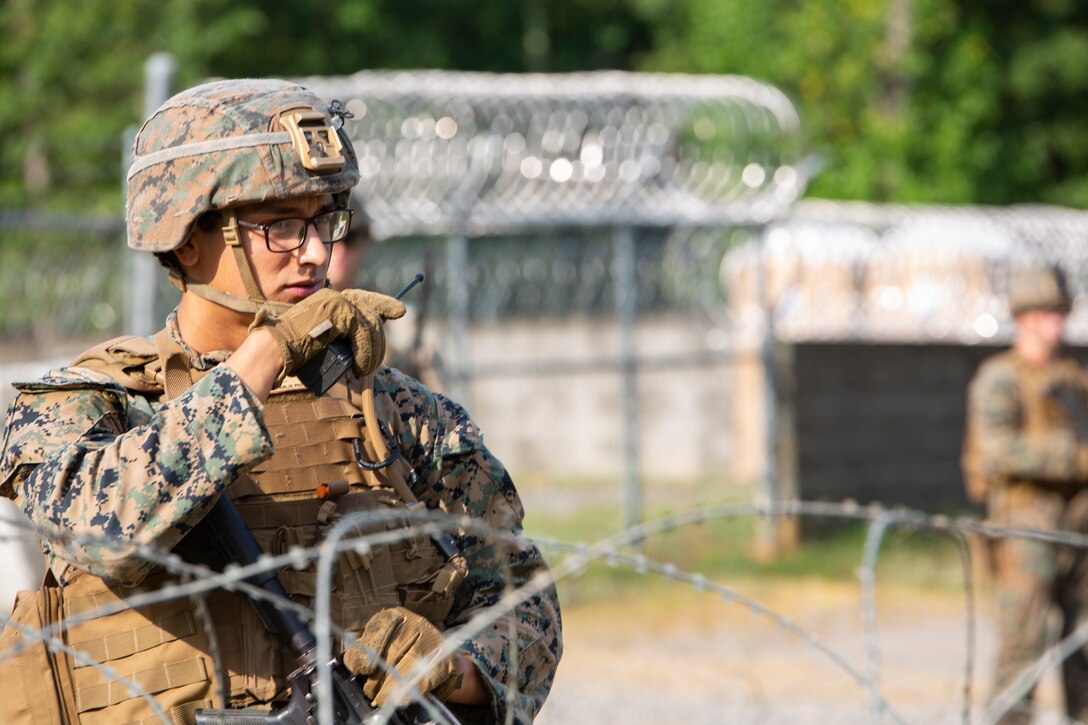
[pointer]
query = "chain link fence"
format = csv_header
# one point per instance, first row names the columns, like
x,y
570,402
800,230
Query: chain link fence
x,y
59,275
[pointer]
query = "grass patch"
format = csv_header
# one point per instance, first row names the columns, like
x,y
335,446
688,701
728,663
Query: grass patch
x,y
723,551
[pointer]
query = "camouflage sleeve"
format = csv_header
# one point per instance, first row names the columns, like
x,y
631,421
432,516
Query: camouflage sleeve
x,y
994,409
518,654
100,472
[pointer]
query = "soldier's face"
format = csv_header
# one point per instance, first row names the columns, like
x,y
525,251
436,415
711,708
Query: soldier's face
x,y
1045,326
287,276
281,276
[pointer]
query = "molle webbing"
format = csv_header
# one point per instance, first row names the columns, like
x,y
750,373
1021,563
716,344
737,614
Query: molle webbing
x,y
103,598
74,606
122,644
155,679
317,440
408,570
272,514
179,715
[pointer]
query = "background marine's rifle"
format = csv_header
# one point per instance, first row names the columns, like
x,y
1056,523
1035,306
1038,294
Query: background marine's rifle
x,y
1067,406
221,538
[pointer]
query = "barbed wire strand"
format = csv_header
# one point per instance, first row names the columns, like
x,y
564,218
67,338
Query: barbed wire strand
x,y
640,563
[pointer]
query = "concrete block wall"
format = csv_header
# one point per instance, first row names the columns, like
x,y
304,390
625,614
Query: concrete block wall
x,y
570,421
880,423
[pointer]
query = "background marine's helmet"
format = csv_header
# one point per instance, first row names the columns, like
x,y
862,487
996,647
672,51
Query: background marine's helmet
x,y
1038,288
227,143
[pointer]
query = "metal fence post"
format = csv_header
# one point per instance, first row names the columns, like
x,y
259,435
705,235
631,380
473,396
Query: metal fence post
x,y
458,317
625,277
140,317
767,535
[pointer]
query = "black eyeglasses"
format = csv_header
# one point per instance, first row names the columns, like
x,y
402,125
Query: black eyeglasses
x,y
287,235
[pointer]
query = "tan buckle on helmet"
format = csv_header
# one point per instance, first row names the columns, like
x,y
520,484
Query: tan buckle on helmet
x,y
316,142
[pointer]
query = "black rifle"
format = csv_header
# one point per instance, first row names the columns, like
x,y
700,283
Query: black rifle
x,y
222,538
1071,406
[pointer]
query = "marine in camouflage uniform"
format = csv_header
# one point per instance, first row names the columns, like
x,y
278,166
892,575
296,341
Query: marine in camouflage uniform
x,y
1026,457
135,441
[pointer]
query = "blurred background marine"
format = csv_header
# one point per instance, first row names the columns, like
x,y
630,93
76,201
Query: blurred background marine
x,y
407,348
1026,457
347,255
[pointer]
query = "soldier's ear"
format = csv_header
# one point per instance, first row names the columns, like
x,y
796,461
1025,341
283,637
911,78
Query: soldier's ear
x,y
188,254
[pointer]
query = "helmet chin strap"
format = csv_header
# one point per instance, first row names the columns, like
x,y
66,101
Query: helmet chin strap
x,y
256,299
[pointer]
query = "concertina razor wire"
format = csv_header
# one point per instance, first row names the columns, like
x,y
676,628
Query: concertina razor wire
x,y
478,153
865,272
623,550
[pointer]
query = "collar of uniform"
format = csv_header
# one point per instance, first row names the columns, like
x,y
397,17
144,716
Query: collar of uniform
x,y
198,361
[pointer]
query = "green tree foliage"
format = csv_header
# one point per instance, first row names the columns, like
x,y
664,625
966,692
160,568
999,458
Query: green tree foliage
x,y
1039,50
907,100
71,73
910,100
313,38
71,80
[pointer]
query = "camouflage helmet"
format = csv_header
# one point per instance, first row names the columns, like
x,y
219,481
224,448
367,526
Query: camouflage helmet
x,y
232,142
1038,288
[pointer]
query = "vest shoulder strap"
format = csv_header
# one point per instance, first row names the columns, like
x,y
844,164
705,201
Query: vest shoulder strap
x,y
129,360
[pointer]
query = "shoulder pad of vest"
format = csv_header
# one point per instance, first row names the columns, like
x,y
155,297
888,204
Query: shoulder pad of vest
x,y
131,361
1005,363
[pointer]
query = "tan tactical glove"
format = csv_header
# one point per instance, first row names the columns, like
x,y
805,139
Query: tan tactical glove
x,y
309,326
375,308
401,638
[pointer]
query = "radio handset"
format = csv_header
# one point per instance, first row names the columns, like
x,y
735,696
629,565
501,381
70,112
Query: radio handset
x,y
322,370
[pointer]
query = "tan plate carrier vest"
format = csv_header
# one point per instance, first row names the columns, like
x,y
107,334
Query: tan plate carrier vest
x,y
1039,413
166,647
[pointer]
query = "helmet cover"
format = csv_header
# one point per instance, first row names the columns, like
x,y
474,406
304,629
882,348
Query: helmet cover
x,y
1038,288
226,143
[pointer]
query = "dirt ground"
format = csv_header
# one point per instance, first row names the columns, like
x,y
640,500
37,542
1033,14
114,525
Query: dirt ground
x,y
684,656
